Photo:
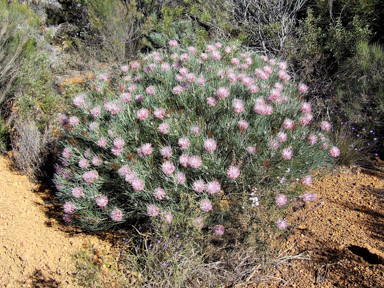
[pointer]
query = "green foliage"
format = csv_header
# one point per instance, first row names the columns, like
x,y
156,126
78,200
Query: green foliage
x,y
18,28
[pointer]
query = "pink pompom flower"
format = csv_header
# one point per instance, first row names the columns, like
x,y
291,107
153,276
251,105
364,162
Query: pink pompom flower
x,y
324,146
210,145
273,144
184,160
282,137
233,172
216,55
119,143
288,124
142,114
325,126
116,215
184,143
159,193
159,113
177,90
166,152
251,150
238,106
307,180
286,154
302,88
306,108
312,139
152,211
243,125
222,92
69,207
164,128
180,178
206,205
168,167
194,161
83,163
235,61
198,186
96,111
150,90
167,217
74,121
211,101
77,192
281,200
102,142
335,152
213,187
308,197
79,101
281,223
219,230
101,201
90,176
138,184
172,43
195,131
67,153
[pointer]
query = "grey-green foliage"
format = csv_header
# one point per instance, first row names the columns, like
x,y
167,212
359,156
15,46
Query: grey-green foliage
x,y
19,26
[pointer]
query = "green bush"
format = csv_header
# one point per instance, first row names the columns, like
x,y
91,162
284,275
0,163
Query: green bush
x,y
151,138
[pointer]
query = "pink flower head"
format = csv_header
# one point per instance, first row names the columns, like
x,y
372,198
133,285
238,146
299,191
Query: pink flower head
x,y
101,201
184,160
146,149
279,86
159,193
248,61
218,45
103,77
159,113
180,178
304,121
137,184
204,56
302,88
308,197
150,90
211,48
94,126
325,126
184,143
253,89
306,108
77,192
247,81
238,106
167,216
210,145
198,186
90,176
282,65
274,95
211,101
228,49
78,101
288,124
135,66
324,146
190,77
119,143
283,75
267,69
286,154
201,81
282,224
243,125
213,187
184,57
219,230
192,49
268,109
83,163
168,167
312,139
139,98
67,153
205,205
166,151
281,200
264,58
272,62
132,88
183,71
335,152
116,151
216,55
116,215
142,114
165,67
198,222
177,90
172,43
128,78
124,170
282,137
68,217
251,150
307,180
195,131
195,162
96,111
124,68
222,92
74,121
130,177
102,142
152,211
273,144
235,61
233,172
69,207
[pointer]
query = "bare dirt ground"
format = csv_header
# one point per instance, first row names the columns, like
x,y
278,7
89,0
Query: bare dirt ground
x,y
35,249
342,233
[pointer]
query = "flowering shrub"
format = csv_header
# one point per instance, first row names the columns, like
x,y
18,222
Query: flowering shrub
x,y
172,131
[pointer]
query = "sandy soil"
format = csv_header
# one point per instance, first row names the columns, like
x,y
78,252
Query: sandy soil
x,y
34,247
339,237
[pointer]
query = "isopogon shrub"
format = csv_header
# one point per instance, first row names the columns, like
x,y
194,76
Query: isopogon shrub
x,y
167,134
